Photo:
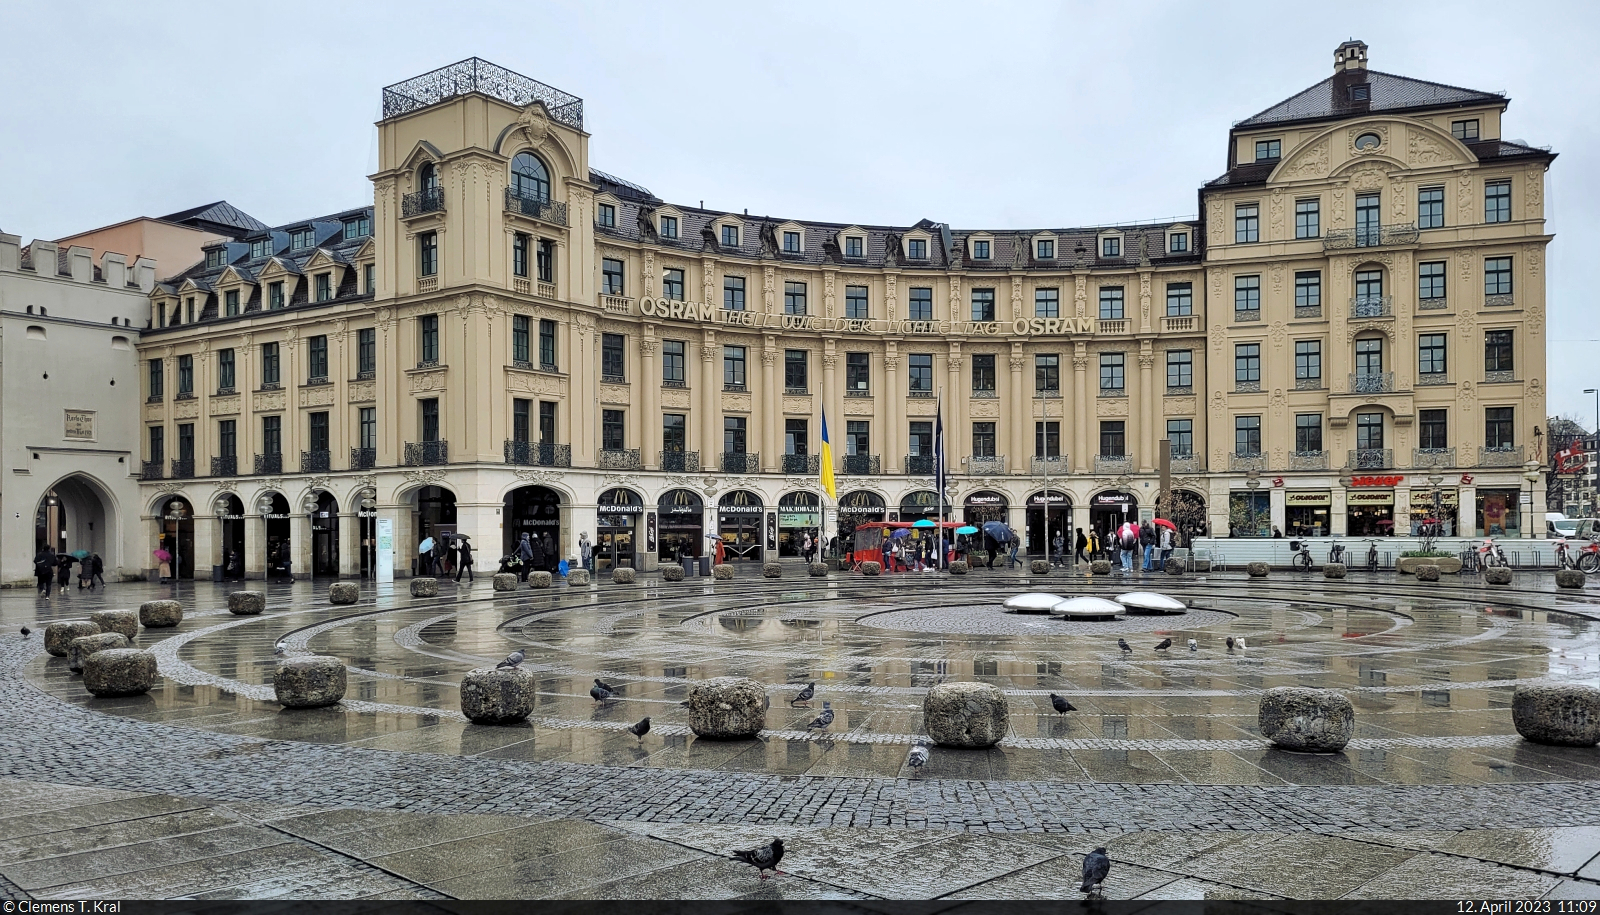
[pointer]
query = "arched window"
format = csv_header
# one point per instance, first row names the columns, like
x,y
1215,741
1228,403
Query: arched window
x,y
428,177
529,178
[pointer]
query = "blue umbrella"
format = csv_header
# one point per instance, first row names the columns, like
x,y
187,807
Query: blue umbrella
x,y
998,530
923,522
901,532
969,529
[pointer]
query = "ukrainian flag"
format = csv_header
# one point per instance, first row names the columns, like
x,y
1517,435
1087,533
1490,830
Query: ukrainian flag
x,y
827,461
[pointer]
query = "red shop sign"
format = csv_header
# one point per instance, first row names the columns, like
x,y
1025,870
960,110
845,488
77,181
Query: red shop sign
x,y
1376,481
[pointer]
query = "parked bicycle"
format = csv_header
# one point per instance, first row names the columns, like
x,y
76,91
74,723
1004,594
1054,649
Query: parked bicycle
x,y
1300,558
1336,552
1491,556
1372,554
1585,558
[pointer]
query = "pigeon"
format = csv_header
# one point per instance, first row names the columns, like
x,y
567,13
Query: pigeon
x,y
1165,644
1193,645
640,729
1095,868
805,694
1239,643
1123,644
26,631
278,649
1230,643
512,660
599,692
1061,705
764,858
822,721
918,757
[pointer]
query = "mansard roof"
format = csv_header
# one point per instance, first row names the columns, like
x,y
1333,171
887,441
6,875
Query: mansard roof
x,y
1389,93
221,217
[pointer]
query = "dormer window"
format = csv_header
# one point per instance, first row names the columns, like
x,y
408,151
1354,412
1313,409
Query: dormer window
x,y
274,296
669,227
1361,93
216,257
791,243
261,247
1178,243
1111,246
730,236
301,238
358,227
1268,150
608,215
1045,249
980,250
854,246
917,249
324,287
1464,130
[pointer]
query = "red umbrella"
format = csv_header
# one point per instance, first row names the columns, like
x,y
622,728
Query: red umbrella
x,y
1165,523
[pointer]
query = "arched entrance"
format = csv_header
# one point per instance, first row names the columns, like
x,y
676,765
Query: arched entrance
x,y
175,534
855,508
535,511
682,525
1109,508
1057,509
984,506
229,512
435,517
325,536
739,525
1188,512
921,504
798,512
73,516
274,511
617,543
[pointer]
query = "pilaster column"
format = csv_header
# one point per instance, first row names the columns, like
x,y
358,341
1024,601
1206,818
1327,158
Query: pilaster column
x,y
1146,419
299,543
830,396
255,545
207,544
1082,417
350,545
772,421
648,386
957,437
710,399
892,409
1020,415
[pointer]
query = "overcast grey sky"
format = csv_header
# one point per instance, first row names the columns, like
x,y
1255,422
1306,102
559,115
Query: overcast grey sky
x,y
989,115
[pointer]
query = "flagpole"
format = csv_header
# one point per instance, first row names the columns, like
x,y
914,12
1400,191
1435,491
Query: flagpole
x,y
938,473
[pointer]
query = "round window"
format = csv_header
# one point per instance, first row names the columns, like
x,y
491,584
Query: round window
x,y
1368,141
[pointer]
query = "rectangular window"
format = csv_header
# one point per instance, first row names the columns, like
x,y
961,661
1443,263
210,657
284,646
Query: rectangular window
x,y
611,430
317,431
796,363
324,287
1497,201
1246,363
1180,432
980,250
858,372
669,227
730,236
274,296
983,304
674,433
1307,432
1368,220
1045,249
228,438
920,371
1497,356
1113,438
794,298
1369,431
1178,243
1307,360
1307,218
854,246
796,436
521,330
230,303
983,440
611,276
547,344
613,363
733,367
1111,302
371,272
271,435
919,440
547,422
791,243
519,254
367,351
1047,303
733,434
1267,150
1430,354
317,357
261,247
269,365
1246,223
430,418
672,284
359,227
1180,299
917,249
1430,207
857,437
1047,439
607,215
428,336
189,310
301,238
672,363
1111,368
1499,428
1247,294
1046,374
521,420
983,373
1430,280
1247,435
1369,356
428,254
1180,368
1308,289
158,450
1497,276
367,421
185,375
1433,429
919,304
733,293
855,303
225,377
1111,247
1464,130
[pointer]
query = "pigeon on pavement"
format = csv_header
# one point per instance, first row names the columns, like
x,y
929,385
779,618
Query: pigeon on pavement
x,y
278,649
1239,643
1123,644
1230,643
640,729
513,659
599,692
822,721
1193,645
918,757
1095,868
764,858
1062,706
1165,644
25,631
805,694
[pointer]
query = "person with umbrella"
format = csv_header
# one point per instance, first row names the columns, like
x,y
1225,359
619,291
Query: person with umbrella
x,y
464,550
44,569
85,569
425,557
1167,532
524,557
63,571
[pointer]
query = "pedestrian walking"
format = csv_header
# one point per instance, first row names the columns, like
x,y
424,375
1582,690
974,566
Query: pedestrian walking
x,y
425,557
525,557
1128,541
805,547
1015,544
586,551
163,564
1058,546
536,554
1079,544
549,553
1166,545
63,571
99,567
1147,541
465,558
44,569
453,557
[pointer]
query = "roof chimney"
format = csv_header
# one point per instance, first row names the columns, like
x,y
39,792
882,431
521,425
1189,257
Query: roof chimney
x,y
1352,55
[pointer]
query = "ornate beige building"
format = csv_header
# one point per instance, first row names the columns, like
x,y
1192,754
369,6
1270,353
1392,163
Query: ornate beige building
x,y
510,341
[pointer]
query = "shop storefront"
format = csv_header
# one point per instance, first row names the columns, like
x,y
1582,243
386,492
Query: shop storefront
x,y
1499,513
1035,538
617,543
984,506
1107,511
535,511
855,508
799,513
1369,513
680,524
1249,513
1305,514
1443,513
1188,511
922,504
739,521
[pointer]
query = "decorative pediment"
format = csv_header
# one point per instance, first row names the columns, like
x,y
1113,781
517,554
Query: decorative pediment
x,y
422,152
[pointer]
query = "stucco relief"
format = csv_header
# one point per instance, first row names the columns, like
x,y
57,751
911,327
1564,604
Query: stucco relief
x,y
1534,316
1219,403
1464,199
615,394
736,403
858,407
708,274
1016,297
675,397
427,381
984,409
1279,401
319,396
1275,209
649,270
920,407
535,383
221,406
1399,203
1535,389
1422,149
890,302
827,293
1219,336
268,401
153,412
1310,162
1336,211
1080,295
796,404
1466,395
1279,334
1533,191
1368,178
1214,219
1534,256
362,391
1180,406
186,409
1111,406
1277,283
1382,130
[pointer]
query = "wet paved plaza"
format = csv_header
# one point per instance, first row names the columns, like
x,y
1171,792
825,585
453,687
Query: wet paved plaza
x,y
207,787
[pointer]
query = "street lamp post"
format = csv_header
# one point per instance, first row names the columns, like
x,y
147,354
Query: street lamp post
x,y
221,508
264,507
1045,397
1530,472
369,506
1252,482
176,514
310,504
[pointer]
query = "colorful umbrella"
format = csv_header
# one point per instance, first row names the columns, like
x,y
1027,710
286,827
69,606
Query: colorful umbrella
x,y
969,529
1165,523
923,522
901,532
80,554
998,531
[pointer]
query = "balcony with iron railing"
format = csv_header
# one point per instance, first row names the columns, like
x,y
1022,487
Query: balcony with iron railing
x,y
918,464
183,469
1424,458
680,461
740,462
1433,378
1371,382
1369,237
618,459
1371,459
538,454
316,461
1308,384
427,454
985,394
1436,303
420,203
925,393
1502,456
1308,460
1247,460
553,212
363,458
862,464
1113,463
269,463
1055,465
1372,306
802,463
225,466
1499,300
1247,386
992,465
1186,463
858,392
1308,311
1248,316
153,470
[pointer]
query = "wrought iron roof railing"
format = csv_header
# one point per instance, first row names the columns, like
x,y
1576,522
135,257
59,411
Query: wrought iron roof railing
x,y
478,75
